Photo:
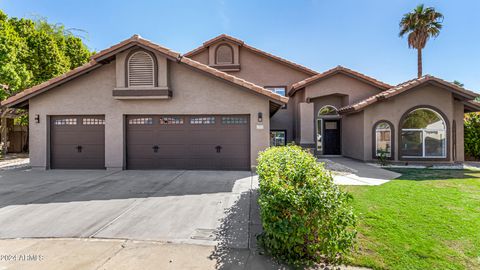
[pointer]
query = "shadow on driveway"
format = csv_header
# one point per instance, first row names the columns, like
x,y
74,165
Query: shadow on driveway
x,y
237,249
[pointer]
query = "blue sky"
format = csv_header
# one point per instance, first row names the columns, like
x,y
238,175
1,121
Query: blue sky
x,y
320,34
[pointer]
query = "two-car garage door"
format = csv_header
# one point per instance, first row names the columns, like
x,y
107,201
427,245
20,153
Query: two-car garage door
x,y
214,142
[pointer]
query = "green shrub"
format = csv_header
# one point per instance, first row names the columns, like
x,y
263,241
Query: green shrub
x,y
306,218
472,135
382,157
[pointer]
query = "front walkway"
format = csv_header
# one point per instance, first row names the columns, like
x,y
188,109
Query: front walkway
x,y
352,172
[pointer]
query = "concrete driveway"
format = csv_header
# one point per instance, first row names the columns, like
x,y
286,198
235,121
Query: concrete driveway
x,y
197,207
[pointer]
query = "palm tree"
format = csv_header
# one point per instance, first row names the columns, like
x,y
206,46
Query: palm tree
x,y
420,24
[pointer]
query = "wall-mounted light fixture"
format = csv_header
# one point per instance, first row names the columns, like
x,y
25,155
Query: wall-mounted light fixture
x,y
37,118
260,117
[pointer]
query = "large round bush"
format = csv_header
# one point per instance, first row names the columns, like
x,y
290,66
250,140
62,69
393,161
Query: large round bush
x,y
306,218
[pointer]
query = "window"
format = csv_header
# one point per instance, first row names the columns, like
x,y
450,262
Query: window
x,y
141,70
277,138
65,121
234,120
279,90
224,55
93,121
171,120
423,134
327,110
208,120
383,139
141,121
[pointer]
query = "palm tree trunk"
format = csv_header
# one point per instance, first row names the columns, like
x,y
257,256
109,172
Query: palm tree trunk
x,y
419,60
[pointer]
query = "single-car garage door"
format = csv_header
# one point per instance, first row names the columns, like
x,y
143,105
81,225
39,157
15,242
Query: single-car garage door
x,y
208,142
77,142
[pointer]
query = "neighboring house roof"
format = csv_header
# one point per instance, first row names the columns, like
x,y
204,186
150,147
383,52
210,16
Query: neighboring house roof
x,y
472,106
224,37
339,69
103,56
405,86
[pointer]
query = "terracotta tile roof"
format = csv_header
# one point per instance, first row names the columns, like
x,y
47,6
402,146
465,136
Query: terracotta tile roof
x,y
253,49
400,88
473,106
96,61
338,69
132,41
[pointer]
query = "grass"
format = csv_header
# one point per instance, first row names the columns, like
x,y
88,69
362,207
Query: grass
x,y
426,219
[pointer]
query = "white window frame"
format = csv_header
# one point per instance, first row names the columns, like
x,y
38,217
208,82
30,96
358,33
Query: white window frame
x,y
424,131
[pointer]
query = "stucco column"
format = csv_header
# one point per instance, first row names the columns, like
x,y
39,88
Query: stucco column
x,y
306,113
114,141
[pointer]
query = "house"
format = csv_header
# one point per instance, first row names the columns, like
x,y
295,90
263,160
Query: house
x,y
139,105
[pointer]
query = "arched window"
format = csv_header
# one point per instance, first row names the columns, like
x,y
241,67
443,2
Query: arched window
x,y
423,134
383,133
224,54
141,70
327,110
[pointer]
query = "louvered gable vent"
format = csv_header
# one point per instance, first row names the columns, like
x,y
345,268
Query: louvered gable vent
x,y
141,70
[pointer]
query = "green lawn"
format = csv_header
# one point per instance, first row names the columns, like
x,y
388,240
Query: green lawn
x,y
426,219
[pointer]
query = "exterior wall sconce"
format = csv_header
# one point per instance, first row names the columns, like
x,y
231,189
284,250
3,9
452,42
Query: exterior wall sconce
x,y
37,118
260,117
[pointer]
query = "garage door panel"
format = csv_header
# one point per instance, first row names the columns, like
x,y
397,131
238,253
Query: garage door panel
x,y
66,151
172,137
77,142
141,136
172,151
203,150
190,142
141,151
92,138
66,163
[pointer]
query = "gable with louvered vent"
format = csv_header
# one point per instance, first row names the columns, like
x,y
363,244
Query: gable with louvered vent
x,y
141,70
224,54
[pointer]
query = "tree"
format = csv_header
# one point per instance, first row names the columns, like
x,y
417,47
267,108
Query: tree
x,y
458,83
34,51
421,24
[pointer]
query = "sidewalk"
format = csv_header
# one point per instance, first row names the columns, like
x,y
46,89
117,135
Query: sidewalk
x,y
353,172
95,254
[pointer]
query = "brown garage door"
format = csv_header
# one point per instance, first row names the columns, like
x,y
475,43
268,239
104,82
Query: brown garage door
x,y
209,142
77,142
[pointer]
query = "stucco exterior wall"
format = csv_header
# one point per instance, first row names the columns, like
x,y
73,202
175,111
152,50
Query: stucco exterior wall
x,y
459,116
193,93
264,71
353,136
393,109
341,84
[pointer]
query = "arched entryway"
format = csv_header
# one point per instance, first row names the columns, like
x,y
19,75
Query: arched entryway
x,y
328,132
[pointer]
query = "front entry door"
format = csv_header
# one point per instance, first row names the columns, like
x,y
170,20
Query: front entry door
x,y
331,137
